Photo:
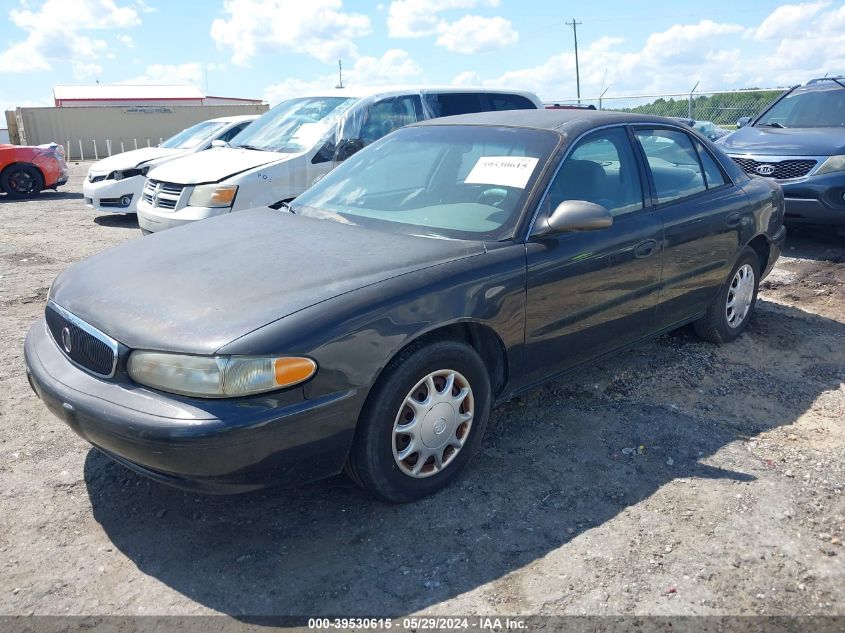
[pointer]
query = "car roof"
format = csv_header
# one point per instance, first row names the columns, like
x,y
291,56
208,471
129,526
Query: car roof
x,y
361,92
563,121
234,119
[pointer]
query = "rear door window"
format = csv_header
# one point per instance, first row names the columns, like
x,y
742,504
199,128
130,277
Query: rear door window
x,y
453,103
673,162
714,175
510,102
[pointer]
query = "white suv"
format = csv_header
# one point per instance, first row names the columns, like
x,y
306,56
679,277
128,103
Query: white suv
x,y
114,184
295,144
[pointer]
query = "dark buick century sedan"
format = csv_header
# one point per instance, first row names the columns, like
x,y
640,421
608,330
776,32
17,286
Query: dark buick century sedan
x,y
371,324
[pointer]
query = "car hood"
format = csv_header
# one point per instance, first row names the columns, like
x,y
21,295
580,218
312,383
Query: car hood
x,y
769,141
214,165
134,158
198,287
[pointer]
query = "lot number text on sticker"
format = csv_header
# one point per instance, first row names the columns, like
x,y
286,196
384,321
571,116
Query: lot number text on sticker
x,y
505,171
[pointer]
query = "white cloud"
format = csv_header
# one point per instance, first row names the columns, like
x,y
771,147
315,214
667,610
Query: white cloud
x,y
673,60
318,28
476,34
175,74
55,35
469,34
394,66
8,104
467,78
783,21
126,40
418,18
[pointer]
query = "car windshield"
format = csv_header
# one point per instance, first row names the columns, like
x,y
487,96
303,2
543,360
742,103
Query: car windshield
x,y
454,182
294,125
194,135
816,107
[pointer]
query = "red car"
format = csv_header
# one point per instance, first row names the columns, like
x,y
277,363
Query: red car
x,y
27,170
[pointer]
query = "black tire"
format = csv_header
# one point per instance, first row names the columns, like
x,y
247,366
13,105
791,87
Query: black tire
x,y
715,326
371,462
21,181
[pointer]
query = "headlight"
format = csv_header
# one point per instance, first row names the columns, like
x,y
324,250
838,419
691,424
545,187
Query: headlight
x,y
128,173
833,163
213,196
218,376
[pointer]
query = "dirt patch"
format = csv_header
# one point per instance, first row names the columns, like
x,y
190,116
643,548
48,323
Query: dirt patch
x,y
677,478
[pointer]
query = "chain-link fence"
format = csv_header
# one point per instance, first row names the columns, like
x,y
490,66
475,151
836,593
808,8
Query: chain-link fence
x,y
722,108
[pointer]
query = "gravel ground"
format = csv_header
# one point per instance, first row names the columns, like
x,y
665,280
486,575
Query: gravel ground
x,y
677,478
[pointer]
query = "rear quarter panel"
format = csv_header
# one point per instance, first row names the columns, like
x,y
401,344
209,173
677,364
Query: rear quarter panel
x,y
50,167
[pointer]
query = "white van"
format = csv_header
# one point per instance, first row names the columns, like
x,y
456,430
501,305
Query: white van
x,y
114,184
295,144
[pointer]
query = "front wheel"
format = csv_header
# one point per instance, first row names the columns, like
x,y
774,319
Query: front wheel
x,y
21,181
422,422
728,316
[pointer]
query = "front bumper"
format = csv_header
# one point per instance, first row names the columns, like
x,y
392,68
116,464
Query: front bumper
x,y
106,195
816,199
152,219
214,446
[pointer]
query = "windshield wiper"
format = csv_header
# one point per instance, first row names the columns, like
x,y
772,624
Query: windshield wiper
x,y
259,149
775,124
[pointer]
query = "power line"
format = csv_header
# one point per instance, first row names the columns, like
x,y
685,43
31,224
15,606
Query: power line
x,y
575,26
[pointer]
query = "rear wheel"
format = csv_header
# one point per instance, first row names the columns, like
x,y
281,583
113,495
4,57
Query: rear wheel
x,y
420,426
22,181
728,316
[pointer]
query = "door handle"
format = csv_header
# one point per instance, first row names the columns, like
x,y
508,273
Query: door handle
x,y
733,219
645,249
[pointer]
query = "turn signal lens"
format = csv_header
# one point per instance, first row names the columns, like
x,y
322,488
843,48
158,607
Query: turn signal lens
x,y
290,371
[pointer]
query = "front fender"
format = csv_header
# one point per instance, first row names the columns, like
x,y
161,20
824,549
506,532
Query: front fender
x,y
354,336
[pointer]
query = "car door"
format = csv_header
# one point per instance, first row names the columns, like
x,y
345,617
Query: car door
x,y
702,213
589,292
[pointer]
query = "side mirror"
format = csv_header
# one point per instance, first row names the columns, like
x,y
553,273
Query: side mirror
x,y
743,121
577,215
219,143
346,147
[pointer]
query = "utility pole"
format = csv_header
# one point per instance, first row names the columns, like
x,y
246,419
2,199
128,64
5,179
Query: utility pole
x,y
339,74
575,26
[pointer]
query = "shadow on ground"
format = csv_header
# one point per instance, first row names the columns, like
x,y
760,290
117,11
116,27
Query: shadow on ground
x,y
118,220
44,196
820,243
551,468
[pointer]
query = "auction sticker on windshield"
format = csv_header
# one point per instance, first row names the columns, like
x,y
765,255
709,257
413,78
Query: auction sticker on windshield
x,y
506,171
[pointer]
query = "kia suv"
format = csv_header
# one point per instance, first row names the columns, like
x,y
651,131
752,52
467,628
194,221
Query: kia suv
x,y
799,141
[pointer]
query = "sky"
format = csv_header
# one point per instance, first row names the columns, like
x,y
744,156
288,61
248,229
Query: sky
x,y
276,49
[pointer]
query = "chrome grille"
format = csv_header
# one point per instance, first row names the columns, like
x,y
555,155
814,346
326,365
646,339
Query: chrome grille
x,y
163,195
783,170
83,344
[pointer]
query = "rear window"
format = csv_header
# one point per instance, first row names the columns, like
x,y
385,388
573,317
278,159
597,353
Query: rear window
x,y
454,103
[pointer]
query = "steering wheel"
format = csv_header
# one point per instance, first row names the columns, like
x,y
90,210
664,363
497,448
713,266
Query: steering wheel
x,y
492,197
